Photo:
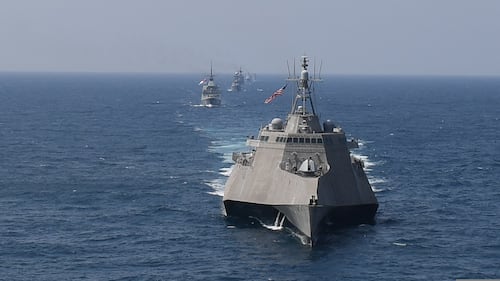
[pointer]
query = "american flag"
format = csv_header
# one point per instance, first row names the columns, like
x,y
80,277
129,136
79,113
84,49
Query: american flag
x,y
278,92
203,81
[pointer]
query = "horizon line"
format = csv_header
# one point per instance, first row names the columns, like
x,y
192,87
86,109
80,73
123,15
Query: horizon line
x,y
231,73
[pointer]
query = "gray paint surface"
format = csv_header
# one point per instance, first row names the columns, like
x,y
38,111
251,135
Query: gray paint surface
x,y
331,185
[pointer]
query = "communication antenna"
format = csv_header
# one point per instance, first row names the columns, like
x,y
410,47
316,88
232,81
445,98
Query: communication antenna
x,y
320,66
294,77
314,68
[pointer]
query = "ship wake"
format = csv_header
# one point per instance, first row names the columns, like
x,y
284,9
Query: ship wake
x,y
278,225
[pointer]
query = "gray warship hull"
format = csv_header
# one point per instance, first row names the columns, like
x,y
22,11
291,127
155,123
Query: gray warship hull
x,y
302,173
235,87
210,101
311,220
263,187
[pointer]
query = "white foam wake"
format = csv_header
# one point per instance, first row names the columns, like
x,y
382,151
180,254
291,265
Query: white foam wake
x,y
366,162
375,182
226,149
226,171
217,185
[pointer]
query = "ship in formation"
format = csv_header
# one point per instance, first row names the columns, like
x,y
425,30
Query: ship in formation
x,y
238,81
210,93
299,173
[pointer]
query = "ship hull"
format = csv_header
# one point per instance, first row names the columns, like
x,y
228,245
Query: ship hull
x,y
210,102
235,88
312,221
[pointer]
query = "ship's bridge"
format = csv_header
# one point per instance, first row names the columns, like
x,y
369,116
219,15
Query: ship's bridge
x,y
302,122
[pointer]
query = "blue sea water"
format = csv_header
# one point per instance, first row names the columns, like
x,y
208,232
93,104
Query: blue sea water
x,y
120,177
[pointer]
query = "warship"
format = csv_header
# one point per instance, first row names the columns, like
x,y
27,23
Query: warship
x,y
210,93
300,173
238,81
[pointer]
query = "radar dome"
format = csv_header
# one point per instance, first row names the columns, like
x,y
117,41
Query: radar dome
x,y
277,124
304,75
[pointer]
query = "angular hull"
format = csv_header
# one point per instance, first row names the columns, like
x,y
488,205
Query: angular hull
x,y
310,220
261,187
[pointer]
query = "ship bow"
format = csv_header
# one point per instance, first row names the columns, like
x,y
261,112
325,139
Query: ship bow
x,y
308,219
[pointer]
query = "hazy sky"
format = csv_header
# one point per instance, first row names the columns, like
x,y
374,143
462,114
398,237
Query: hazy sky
x,y
455,37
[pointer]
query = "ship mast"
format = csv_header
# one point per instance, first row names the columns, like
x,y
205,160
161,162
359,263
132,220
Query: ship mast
x,y
303,97
211,74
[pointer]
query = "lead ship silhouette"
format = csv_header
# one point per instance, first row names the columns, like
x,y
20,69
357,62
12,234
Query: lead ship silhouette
x,y
210,93
301,173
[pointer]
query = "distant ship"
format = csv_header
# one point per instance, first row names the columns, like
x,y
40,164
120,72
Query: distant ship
x,y
250,78
210,93
238,81
300,173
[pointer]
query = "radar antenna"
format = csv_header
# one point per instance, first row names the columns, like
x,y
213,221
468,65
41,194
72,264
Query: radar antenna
x,y
305,89
320,66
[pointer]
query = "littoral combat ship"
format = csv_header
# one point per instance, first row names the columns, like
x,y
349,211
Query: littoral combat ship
x,y
301,173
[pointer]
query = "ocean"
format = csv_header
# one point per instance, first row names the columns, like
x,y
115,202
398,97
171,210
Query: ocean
x,y
121,177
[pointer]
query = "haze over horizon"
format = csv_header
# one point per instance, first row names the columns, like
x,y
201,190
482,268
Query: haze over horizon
x,y
386,37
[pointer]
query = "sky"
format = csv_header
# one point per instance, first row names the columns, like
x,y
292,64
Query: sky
x,y
366,37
